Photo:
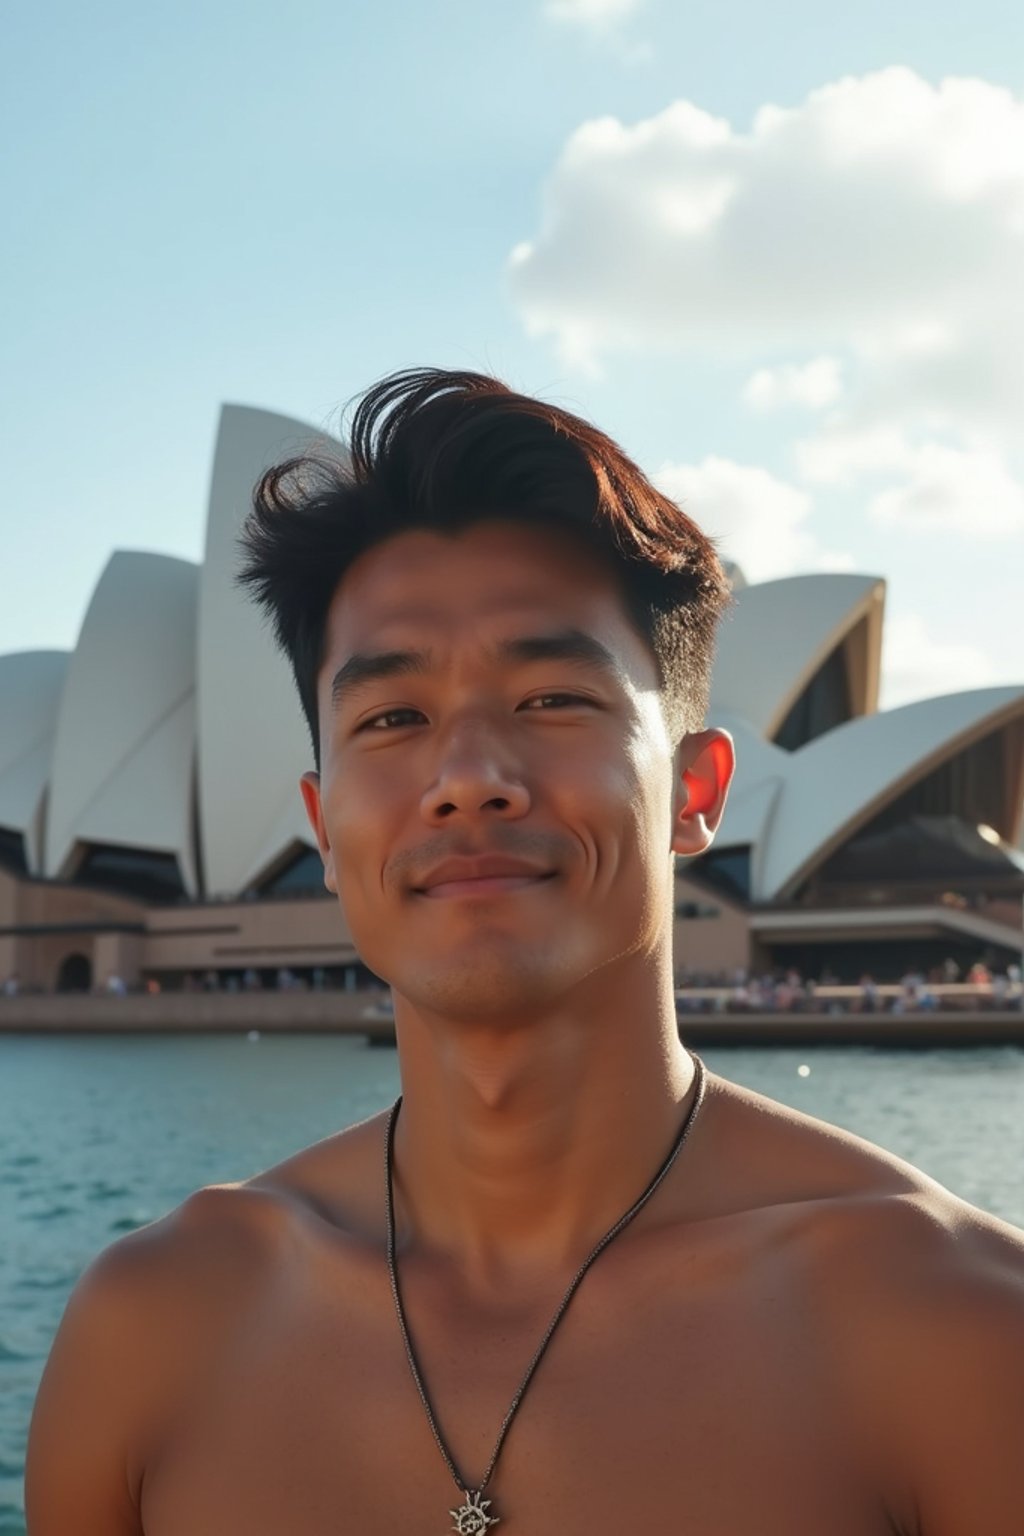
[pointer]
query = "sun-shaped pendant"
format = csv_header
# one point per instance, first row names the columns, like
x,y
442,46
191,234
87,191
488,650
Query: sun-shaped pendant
x,y
472,1519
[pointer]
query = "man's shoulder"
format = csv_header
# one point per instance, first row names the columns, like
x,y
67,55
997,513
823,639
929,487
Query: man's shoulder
x,y
165,1295
222,1240
338,1181
916,1300
883,1225
766,1154
167,1298
141,1320
221,1233
940,1267
925,1298
920,1257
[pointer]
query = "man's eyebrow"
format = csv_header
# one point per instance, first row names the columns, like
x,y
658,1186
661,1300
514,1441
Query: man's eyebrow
x,y
565,645
573,645
362,669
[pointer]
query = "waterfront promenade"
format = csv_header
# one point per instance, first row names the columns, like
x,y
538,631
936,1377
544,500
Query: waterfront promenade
x,y
960,1021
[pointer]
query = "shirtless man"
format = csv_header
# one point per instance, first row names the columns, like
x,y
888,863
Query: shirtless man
x,y
502,636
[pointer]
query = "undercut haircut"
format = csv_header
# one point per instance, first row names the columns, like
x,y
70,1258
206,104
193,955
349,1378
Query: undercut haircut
x,y
440,450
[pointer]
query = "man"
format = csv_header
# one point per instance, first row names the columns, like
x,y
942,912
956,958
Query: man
x,y
502,639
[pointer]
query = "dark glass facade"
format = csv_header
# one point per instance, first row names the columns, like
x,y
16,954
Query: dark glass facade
x,y
12,851
303,875
134,871
726,870
824,704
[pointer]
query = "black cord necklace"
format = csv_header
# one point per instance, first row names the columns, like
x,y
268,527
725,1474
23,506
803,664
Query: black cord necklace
x,y
472,1518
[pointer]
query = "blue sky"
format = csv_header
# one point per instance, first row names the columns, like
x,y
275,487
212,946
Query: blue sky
x,y
805,324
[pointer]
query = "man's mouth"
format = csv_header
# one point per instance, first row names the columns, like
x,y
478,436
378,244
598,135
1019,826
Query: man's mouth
x,y
484,874
483,885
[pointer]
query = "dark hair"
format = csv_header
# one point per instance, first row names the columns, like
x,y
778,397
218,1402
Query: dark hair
x,y
438,449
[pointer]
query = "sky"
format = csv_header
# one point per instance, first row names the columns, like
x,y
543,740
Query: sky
x,y
777,252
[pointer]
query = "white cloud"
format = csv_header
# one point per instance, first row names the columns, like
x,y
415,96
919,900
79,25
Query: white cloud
x,y
840,454
759,521
880,220
813,384
918,664
963,491
939,487
596,15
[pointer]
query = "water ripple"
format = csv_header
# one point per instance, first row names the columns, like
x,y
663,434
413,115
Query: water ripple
x,y
52,1213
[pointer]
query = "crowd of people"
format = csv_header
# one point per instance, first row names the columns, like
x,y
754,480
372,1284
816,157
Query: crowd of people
x,y
943,987
283,979
779,991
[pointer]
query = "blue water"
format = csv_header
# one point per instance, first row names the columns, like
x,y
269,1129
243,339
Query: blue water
x,y
102,1134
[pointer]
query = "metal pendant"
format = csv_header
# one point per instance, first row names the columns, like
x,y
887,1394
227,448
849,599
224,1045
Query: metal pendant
x,y
471,1518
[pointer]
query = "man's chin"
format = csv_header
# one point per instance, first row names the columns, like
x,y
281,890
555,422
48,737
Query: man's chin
x,y
491,989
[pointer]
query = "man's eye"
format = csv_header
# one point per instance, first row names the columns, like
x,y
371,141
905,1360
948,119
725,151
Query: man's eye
x,y
558,700
386,721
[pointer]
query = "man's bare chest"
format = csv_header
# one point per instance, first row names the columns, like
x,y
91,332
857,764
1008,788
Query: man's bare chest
x,y
702,1413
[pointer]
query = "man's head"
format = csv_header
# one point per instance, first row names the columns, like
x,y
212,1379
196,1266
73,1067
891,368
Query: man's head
x,y
441,450
502,637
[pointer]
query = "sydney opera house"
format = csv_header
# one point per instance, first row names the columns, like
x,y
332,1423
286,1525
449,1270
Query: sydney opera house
x,y
151,825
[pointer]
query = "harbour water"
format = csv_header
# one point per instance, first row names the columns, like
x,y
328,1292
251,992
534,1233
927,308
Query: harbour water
x,y
101,1134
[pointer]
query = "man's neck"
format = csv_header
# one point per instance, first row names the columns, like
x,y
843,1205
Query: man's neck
x,y
521,1141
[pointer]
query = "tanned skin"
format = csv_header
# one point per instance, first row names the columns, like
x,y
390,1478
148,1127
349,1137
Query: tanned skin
x,y
799,1336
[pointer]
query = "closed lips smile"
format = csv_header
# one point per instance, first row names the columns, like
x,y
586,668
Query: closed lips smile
x,y
483,885
486,875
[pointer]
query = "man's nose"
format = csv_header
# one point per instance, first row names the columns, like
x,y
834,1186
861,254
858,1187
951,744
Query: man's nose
x,y
476,774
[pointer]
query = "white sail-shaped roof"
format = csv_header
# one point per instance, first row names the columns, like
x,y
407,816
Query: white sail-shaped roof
x,y
778,634
839,781
253,741
30,690
122,769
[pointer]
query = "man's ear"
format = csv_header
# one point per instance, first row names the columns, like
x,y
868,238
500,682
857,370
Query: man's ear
x,y
705,763
309,786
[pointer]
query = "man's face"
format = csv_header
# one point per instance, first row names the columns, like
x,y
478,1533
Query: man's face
x,y
486,704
